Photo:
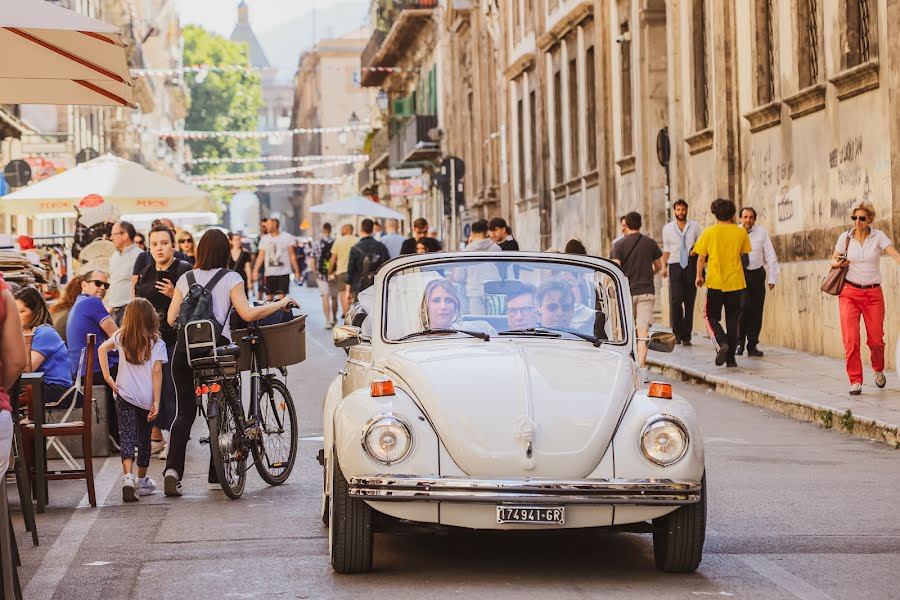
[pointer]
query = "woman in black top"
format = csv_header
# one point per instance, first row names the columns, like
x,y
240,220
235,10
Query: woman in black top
x,y
239,259
156,283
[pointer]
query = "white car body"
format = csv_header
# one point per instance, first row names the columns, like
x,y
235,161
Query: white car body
x,y
514,421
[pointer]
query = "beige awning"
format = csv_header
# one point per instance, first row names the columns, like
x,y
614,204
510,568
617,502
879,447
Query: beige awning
x,y
52,55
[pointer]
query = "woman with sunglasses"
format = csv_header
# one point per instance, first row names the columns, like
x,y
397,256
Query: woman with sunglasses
x,y
186,245
860,250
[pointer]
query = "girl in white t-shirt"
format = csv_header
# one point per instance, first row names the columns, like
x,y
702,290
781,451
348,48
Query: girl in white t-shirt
x,y
137,388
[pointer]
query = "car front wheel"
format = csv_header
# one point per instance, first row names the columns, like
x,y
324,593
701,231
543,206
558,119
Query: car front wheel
x,y
350,536
678,537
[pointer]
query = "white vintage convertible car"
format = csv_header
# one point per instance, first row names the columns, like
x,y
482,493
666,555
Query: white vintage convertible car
x,y
500,391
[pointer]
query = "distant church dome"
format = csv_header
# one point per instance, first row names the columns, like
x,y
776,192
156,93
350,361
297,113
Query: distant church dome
x,y
244,33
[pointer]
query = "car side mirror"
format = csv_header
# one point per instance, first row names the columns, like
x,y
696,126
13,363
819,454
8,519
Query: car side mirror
x,y
345,336
661,341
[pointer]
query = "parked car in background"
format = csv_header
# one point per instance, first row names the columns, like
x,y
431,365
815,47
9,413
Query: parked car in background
x,y
500,391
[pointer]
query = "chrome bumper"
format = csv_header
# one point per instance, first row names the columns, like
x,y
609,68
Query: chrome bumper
x,y
637,492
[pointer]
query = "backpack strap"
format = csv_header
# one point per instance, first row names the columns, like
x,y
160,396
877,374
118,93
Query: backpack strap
x,y
215,280
190,278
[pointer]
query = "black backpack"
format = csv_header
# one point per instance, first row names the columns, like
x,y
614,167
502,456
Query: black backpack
x,y
325,257
198,306
371,262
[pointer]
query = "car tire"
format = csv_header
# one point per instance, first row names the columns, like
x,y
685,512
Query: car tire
x,y
350,534
678,537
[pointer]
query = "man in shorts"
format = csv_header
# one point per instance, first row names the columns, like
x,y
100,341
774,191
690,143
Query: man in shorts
x,y
340,262
639,256
327,289
276,252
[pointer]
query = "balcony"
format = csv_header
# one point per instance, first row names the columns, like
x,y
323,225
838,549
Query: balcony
x,y
380,152
410,141
365,182
395,31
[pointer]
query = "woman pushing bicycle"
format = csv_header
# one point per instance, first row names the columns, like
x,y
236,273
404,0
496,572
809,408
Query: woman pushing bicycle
x,y
226,289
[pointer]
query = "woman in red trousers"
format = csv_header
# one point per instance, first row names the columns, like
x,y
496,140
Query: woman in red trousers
x,y
861,249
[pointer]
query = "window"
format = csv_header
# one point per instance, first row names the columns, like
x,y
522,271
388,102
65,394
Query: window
x,y
557,128
574,138
591,106
859,27
625,67
520,143
701,85
808,46
532,130
765,52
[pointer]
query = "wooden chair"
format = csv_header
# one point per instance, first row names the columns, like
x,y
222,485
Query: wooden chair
x,y
70,429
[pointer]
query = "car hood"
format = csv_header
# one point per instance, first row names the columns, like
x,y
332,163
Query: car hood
x,y
519,408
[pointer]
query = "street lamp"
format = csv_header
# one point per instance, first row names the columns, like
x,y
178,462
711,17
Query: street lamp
x,y
381,100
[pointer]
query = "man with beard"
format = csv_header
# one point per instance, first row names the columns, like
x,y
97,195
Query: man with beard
x,y
680,266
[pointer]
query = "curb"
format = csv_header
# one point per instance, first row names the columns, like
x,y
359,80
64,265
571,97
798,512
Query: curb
x,y
802,410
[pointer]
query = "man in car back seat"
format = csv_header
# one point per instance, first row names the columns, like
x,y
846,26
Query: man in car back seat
x,y
521,309
556,304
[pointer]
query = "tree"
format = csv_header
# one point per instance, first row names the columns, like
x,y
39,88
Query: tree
x,y
221,101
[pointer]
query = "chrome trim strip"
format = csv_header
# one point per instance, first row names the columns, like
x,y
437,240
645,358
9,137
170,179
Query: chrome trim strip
x,y
642,492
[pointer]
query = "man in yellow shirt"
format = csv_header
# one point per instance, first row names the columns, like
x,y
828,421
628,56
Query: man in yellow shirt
x,y
719,249
340,262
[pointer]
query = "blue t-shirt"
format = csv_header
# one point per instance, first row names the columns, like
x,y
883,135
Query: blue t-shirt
x,y
55,367
85,317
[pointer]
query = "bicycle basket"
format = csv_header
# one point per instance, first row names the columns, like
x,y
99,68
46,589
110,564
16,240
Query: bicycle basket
x,y
282,345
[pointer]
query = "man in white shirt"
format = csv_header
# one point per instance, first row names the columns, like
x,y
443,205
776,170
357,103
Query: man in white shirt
x,y
760,269
680,266
276,250
121,267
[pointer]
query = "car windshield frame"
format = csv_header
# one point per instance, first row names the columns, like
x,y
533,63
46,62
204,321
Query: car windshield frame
x,y
606,267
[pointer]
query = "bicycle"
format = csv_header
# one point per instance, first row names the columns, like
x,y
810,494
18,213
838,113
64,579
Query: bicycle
x,y
268,432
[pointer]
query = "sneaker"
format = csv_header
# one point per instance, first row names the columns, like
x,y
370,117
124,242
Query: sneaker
x,y
856,389
164,453
880,379
644,374
721,354
171,483
731,364
328,325
754,352
157,446
686,343
739,351
214,487
129,493
146,486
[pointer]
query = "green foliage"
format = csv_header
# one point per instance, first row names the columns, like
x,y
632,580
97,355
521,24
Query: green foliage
x,y
221,101
847,421
827,418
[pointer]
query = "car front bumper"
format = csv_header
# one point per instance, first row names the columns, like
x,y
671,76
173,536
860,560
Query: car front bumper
x,y
599,492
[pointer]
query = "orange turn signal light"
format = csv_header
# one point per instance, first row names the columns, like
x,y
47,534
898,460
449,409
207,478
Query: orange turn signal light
x,y
204,388
215,388
197,391
382,387
660,390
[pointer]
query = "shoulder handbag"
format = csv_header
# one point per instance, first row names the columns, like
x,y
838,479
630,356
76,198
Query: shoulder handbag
x,y
834,281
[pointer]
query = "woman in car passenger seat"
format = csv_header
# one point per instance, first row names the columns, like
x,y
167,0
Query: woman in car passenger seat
x,y
440,309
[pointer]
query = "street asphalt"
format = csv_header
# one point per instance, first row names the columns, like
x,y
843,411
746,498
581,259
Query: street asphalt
x,y
794,512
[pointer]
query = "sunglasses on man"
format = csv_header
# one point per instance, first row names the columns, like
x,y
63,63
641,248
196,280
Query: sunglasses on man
x,y
555,307
100,284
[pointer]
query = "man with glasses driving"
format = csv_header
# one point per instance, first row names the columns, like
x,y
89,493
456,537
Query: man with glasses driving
x,y
89,315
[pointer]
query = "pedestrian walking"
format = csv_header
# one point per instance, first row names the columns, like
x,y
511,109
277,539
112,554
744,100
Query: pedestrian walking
x,y
121,268
146,257
137,388
239,260
340,262
321,253
860,250
575,246
502,234
392,239
420,233
366,257
639,257
186,246
157,285
227,295
761,270
13,359
721,246
680,267
276,250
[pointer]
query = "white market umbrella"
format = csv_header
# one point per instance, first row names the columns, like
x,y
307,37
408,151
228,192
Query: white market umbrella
x,y
127,185
53,55
357,206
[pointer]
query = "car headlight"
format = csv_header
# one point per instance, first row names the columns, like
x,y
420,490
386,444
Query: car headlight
x,y
664,440
387,439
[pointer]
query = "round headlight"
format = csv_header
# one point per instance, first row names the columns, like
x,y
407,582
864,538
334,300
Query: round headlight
x,y
387,439
664,441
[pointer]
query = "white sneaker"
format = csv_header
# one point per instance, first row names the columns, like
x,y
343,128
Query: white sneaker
x,y
128,489
157,446
146,486
171,483
856,389
164,453
880,379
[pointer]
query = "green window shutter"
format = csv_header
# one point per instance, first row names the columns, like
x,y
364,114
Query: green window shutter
x,y
431,109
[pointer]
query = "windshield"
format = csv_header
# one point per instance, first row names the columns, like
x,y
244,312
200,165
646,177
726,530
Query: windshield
x,y
501,297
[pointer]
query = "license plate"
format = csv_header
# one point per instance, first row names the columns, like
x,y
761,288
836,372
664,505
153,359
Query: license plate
x,y
536,515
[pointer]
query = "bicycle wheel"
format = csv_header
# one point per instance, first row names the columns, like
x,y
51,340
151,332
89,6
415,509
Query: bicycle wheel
x,y
228,451
276,451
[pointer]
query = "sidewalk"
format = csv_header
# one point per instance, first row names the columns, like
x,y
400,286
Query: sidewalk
x,y
805,386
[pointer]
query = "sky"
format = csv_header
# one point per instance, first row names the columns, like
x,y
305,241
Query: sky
x,y
220,15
